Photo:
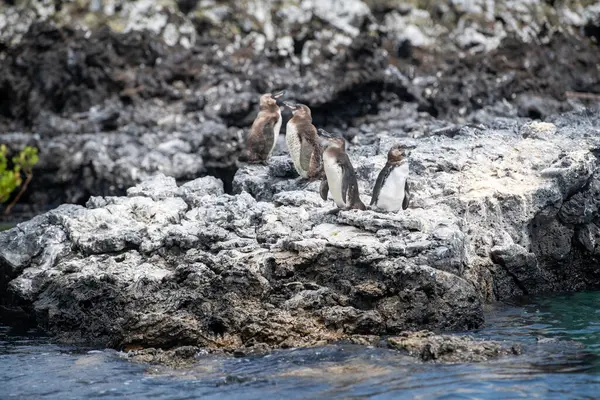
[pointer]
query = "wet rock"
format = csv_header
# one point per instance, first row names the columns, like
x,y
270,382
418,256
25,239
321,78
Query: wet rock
x,y
430,347
557,342
180,357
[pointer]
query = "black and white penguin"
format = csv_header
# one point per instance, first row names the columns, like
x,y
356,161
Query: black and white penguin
x,y
265,130
391,190
303,142
340,177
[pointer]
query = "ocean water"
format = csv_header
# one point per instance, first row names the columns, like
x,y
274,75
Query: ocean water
x,y
560,334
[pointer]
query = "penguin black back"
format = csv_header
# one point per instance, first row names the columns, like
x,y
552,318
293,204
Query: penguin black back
x,y
340,176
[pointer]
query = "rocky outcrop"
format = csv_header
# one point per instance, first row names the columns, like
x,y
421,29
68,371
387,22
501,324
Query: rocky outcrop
x,y
473,26
500,211
422,346
429,347
109,110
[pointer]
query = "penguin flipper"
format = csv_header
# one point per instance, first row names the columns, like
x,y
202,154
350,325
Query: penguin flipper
x,y
315,169
306,151
349,182
406,199
268,132
383,174
324,189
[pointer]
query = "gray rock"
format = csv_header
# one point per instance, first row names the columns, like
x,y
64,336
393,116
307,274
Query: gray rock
x,y
589,237
521,265
20,246
347,16
430,347
495,214
507,208
125,116
157,188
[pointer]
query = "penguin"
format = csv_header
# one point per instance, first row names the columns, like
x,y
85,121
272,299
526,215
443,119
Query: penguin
x,y
303,142
265,130
391,190
340,178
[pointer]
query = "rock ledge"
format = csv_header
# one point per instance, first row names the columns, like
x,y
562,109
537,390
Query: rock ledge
x,y
497,212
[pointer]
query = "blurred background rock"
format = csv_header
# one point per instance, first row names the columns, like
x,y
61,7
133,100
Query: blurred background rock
x,y
114,91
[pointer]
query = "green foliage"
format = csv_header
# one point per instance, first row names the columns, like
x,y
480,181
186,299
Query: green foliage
x,y
11,179
27,159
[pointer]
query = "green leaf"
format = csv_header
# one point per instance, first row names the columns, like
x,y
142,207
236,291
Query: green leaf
x,y
11,179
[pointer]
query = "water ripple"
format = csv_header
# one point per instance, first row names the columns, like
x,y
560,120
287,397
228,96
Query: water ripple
x,y
561,336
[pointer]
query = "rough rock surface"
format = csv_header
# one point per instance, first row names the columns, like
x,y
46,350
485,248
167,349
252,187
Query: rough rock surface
x,y
427,346
500,211
423,346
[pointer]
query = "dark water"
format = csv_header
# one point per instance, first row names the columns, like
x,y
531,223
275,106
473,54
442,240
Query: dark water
x,y
553,366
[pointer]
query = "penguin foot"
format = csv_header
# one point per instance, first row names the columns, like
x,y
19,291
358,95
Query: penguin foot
x,y
380,210
334,211
257,162
305,185
359,206
302,183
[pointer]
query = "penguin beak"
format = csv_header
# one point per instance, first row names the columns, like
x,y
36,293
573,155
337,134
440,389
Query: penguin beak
x,y
289,105
277,95
324,136
324,133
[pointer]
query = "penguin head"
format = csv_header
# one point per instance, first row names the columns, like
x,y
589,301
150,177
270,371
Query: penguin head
x,y
300,110
332,139
398,152
268,101
277,95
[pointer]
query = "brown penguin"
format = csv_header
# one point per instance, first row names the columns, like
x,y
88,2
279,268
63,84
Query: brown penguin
x,y
265,130
303,142
340,176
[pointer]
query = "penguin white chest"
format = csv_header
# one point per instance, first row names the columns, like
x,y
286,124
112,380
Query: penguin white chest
x,y
276,130
335,175
292,139
392,192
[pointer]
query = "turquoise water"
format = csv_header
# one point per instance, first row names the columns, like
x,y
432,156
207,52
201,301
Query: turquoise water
x,y
561,336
